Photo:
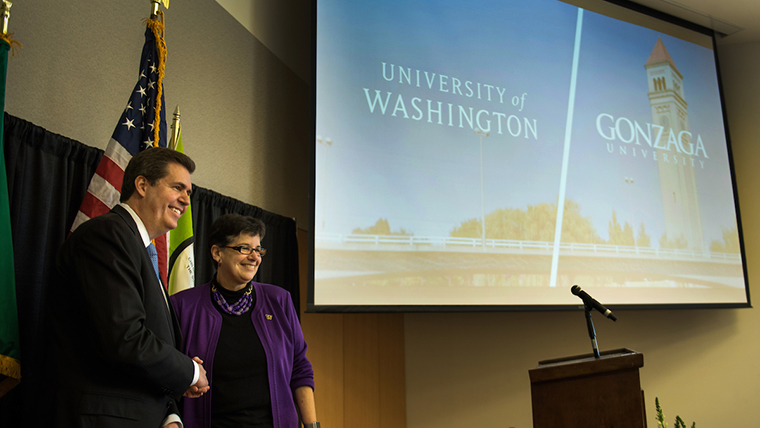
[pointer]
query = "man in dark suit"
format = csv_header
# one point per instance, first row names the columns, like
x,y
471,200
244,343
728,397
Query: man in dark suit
x,y
116,335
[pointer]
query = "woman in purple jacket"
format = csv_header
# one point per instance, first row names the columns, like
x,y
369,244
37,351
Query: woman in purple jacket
x,y
249,339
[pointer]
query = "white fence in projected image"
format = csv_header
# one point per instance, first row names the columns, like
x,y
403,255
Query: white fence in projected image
x,y
361,242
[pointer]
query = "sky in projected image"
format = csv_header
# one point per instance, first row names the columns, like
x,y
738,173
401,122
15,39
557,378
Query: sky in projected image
x,y
421,170
421,176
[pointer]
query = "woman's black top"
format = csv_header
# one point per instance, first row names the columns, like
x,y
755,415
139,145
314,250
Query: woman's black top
x,y
240,385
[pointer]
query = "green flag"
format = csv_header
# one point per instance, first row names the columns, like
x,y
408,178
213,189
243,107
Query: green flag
x,y
10,348
181,258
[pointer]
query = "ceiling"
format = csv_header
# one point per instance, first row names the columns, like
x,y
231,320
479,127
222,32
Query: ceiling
x,y
281,25
739,20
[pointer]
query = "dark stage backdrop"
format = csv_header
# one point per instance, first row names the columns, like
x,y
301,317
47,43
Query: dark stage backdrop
x,y
48,175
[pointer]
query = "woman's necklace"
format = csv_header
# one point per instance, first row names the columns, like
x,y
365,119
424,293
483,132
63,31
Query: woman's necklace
x,y
240,307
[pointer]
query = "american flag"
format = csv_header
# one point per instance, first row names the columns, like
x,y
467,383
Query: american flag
x,y
134,132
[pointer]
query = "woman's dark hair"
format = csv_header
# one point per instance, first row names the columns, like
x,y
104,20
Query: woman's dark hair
x,y
153,164
228,226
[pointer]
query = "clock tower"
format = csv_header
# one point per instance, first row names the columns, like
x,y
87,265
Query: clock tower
x,y
678,184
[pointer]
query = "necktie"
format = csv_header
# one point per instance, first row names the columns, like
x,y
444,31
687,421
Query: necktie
x,y
154,258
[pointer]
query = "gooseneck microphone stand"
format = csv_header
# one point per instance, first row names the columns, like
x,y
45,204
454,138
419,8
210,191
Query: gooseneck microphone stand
x,y
591,331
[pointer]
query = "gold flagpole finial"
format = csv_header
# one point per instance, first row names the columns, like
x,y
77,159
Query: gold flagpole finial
x,y
6,7
175,130
154,6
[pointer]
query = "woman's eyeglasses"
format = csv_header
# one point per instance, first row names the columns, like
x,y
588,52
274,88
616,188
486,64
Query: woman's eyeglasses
x,y
246,250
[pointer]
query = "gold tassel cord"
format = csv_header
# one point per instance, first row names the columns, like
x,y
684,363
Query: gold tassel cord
x,y
15,44
159,30
11,368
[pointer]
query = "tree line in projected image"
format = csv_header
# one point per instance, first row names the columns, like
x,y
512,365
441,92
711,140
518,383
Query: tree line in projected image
x,y
536,223
382,227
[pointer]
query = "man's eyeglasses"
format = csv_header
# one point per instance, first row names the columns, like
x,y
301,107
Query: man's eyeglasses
x,y
245,250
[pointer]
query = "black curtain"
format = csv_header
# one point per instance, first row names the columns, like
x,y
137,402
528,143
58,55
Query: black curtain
x,y
48,175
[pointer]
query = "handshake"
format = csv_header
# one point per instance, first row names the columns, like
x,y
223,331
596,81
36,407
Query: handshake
x,y
201,387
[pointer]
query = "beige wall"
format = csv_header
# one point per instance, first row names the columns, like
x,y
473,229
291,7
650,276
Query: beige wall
x,y
283,26
471,370
244,112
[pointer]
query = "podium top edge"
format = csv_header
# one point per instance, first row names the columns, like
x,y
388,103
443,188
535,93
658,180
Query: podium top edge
x,y
587,357
586,365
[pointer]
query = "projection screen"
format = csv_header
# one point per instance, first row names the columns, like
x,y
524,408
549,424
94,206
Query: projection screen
x,y
488,155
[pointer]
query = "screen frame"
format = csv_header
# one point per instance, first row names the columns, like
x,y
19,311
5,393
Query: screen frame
x,y
311,307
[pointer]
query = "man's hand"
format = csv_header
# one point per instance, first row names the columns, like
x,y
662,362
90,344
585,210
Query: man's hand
x,y
201,387
193,392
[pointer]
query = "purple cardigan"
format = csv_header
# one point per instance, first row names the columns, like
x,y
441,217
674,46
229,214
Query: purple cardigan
x,y
276,323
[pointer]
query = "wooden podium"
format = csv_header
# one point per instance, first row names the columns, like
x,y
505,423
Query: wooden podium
x,y
586,392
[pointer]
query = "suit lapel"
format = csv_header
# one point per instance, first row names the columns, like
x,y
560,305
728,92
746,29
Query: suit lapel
x,y
152,281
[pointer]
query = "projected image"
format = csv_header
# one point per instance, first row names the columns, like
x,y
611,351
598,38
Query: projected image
x,y
496,153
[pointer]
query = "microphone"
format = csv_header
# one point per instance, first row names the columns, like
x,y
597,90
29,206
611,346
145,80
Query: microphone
x,y
590,301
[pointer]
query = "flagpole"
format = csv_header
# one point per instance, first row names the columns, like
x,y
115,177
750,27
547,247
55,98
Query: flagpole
x,y
6,8
175,129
